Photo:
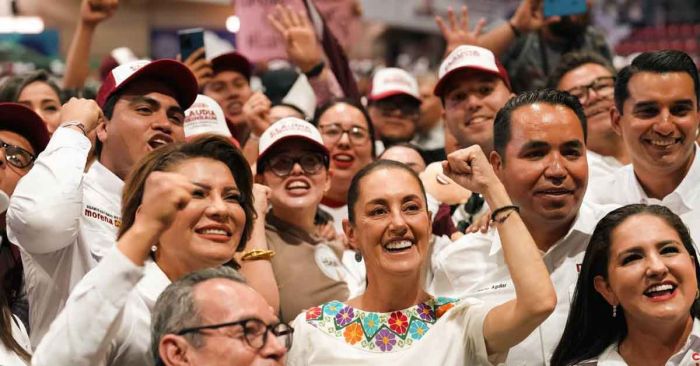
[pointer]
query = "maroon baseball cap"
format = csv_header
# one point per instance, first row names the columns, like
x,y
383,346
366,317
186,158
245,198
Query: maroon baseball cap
x,y
232,61
469,58
173,73
17,118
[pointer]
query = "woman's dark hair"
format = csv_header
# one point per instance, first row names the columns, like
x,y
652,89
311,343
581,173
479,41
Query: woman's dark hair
x,y
12,284
353,103
354,190
591,328
168,157
12,87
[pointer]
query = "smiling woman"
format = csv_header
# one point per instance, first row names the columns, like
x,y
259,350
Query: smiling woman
x,y
38,91
636,299
395,321
187,206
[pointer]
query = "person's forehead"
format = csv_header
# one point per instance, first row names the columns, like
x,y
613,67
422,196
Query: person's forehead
x,y
387,184
470,77
38,88
583,75
641,230
401,153
150,88
224,300
229,75
16,139
661,87
545,122
343,113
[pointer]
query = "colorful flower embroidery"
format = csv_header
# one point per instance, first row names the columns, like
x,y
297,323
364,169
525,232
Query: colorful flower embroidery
x,y
353,333
425,312
418,329
385,340
378,332
313,313
398,322
344,316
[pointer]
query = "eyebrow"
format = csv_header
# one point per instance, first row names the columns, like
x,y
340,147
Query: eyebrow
x,y
535,144
208,187
638,249
573,143
153,104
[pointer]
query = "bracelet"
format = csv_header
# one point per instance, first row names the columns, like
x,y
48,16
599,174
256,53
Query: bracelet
x,y
499,210
257,254
78,124
515,30
316,70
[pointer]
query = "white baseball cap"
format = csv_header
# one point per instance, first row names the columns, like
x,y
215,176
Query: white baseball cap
x,y
393,81
469,57
205,116
287,129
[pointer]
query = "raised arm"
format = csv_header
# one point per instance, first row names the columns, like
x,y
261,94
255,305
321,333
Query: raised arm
x,y
259,273
46,206
507,324
456,31
92,13
305,52
84,331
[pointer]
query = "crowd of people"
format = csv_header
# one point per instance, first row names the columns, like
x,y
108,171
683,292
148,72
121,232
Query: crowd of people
x,y
527,204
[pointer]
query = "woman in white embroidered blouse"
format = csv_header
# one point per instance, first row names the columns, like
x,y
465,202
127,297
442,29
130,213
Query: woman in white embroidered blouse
x,y
395,321
636,299
187,206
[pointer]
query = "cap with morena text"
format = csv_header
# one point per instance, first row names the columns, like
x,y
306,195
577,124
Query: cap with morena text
x,y
289,128
205,116
393,81
173,73
469,58
17,118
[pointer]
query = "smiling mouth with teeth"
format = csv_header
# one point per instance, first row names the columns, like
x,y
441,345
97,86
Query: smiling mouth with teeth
x,y
398,246
660,290
664,142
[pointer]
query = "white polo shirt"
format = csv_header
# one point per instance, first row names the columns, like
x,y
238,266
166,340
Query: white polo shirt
x,y
689,355
64,220
623,188
474,266
600,166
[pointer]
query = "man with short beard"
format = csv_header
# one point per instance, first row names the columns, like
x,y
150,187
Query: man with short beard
x,y
531,46
656,114
591,79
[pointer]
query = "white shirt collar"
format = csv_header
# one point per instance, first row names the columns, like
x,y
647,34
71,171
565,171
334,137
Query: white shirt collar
x,y
585,222
153,283
105,178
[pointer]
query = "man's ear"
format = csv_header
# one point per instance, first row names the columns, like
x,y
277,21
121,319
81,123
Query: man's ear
x,y
615,117
101,131
496,161
173,350
603,287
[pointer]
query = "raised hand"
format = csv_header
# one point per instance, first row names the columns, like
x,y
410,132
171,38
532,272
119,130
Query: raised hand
x,y
93,12
85,111
256,111
457,32
200,67
470,169
530,16
301,43
164,195
261,195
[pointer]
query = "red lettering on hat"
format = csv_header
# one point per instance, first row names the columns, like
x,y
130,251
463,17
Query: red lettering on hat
x,y
695,356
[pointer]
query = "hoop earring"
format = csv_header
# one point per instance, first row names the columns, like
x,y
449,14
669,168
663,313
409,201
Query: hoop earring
x,y
358,257
614,313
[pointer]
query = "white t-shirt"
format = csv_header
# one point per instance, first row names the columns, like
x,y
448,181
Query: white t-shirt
x,y
440,331
689,355
64,220
623,188
7,356
474,266
600,166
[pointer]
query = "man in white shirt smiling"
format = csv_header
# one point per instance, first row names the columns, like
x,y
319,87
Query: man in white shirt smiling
x,y
656,113
540,156
65,212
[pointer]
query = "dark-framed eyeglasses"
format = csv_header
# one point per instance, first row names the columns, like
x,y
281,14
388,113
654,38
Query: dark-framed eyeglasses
x,y
282,165
331,133
255,332
602,86
17,156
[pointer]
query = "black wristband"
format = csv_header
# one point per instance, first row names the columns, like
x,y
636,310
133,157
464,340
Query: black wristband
x,y
515,30
502,209
316,70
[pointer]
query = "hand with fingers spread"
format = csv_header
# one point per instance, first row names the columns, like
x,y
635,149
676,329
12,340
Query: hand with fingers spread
x,y
257,113
457,32
93,12
200,67
529,16
302,45
85,111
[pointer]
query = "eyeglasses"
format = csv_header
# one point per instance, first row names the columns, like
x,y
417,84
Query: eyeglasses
x,y
602,86
332,133
282,165
17,156
255,332
407,109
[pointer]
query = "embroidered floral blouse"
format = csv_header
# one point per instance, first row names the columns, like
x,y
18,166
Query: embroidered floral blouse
x,y
439,331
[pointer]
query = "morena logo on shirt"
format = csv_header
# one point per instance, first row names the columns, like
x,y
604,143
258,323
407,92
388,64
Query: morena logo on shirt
x,y
96,213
